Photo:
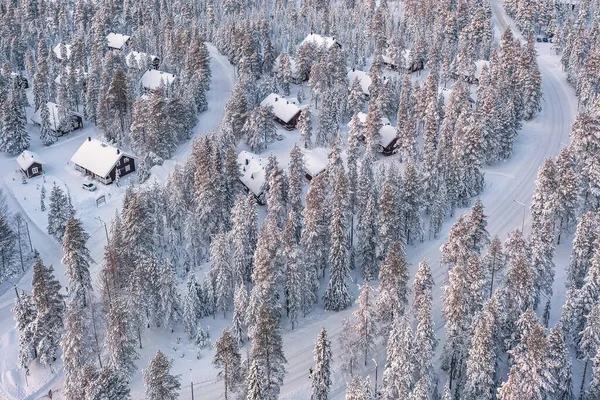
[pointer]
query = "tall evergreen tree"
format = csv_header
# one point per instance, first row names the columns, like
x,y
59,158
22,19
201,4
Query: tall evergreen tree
x,y
77,260
159,382
227,357
321,376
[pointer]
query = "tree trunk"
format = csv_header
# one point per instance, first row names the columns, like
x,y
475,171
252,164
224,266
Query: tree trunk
x,y
581,392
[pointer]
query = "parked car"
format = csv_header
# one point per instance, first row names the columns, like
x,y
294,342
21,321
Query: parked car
x,y
89,186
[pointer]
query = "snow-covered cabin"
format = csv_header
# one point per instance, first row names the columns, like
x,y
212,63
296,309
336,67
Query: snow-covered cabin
x,y
479,66
296,78
315,162
57,53
153,78
102,161
321,40
363,78
252,173
141,60
408,64
116,41
30,163
22,80
73,121
387,133
285,111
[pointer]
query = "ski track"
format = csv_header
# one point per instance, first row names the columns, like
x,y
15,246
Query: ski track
x,y
505,182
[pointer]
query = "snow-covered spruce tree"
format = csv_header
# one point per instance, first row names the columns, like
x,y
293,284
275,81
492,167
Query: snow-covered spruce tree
x,y
393,289
356,98
77,260
314,236
120,339
594,389
458,247
236,114
8,240
238,323
305,127
585,244
14,138
108,384
479,235
259,129
388,219
296,180
398,374
481,362
47,135
227,358
567,200
590,338
170,300
560,362
24,314
244,235
295,281
49,306
337,296
530,80
59,212
530,374
321,376
117,102
364,325
220,263
159,383
255,390
425,342
284,74
348,358
494,261
410,197
366,246
191,307
76,344
357,389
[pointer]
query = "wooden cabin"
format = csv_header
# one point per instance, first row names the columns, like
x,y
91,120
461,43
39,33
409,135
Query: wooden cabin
x,y
30,164
102,161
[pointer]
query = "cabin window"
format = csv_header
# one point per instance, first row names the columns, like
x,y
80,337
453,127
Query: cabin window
x,y
127,168
34,170
126,160
118,163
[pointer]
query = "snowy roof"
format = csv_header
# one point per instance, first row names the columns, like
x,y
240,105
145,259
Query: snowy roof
x,y
252,171
97,157
362,117
315,160
57,51
363,78
58,78
320,40
388,134
405,55
36,117
116,40
153,78
27,158
479,64
293,66
284,109
134,59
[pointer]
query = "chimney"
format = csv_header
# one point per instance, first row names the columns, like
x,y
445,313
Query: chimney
x,y
118,151
276,98
89,138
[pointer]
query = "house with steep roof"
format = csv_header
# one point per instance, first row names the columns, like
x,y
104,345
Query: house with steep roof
x,y
285,111
140,60
30,164
117,41
252,174
321,40
60,126
102,162
153,79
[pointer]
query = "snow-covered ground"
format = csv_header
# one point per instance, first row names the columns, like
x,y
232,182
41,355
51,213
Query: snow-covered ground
x,y
506,184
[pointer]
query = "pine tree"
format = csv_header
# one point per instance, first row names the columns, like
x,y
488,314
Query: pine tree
x,y
357,390
560,363
393,290
77,260
388,218
305,127
220,260
494,261
159,382
170,302
321,376
24,315
594,389
48,324
227,357
14,138
240,304
336,296
398,373
255,390
347,340
120,340
481,362
108,384
191,307
411,200
584,246
366,247
59,212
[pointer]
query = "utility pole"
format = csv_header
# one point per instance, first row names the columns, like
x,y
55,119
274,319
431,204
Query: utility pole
x,y
28,235
105,229
191,384
523,221
376,367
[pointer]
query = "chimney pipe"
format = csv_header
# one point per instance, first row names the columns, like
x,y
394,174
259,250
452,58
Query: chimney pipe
x,y
89,138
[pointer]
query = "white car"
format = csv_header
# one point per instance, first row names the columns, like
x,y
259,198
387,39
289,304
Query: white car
x,y
89,186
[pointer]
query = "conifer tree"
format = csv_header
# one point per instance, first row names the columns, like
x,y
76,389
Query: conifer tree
x,y
321,376
191,307
393,290
14,138
348,359
227,357
120,340
59,212
255,390
366,247
494,261
305,127
159,382
238,325
24,314
398,373
560,363
170,301
49,305
77,260
584,246
481,362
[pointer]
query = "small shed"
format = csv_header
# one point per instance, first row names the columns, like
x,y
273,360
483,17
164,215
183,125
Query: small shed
x,y
30,163
117,41
252,173
72,122
363,78
141,60
102,161
285,111
153,79
321,40
315,162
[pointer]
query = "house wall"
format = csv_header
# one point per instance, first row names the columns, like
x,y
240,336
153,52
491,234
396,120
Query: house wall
x,y
30,172
122,167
